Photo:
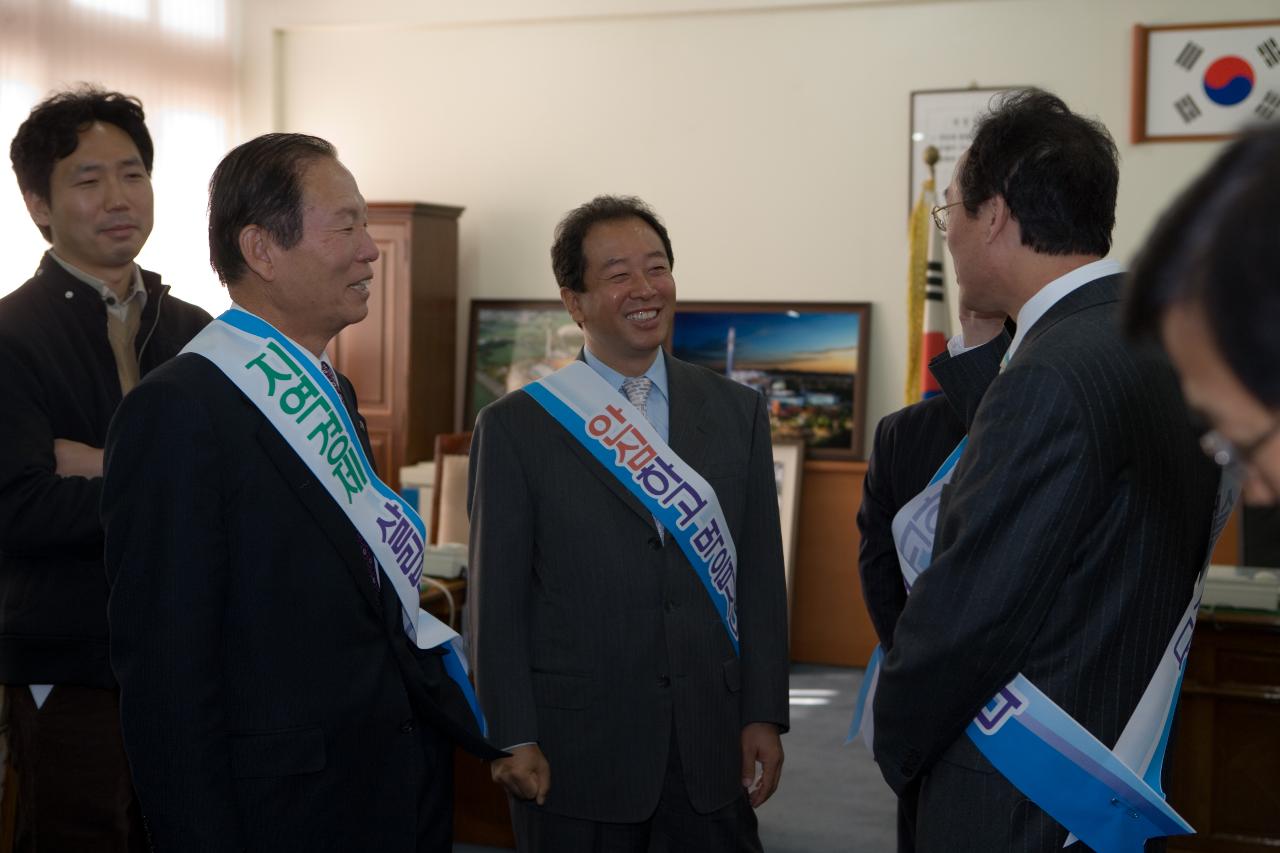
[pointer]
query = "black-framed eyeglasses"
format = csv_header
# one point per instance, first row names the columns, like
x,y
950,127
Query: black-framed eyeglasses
x,y
940,215
1228,454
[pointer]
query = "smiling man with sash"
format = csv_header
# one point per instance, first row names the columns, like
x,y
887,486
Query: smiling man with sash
x,y
627,593
280,687
1034,670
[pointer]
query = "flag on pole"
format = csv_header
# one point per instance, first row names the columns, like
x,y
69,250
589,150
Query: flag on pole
x,y
928,322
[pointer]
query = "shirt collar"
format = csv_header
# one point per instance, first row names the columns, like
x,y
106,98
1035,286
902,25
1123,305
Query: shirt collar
x,y
1055,291
136,288
657,372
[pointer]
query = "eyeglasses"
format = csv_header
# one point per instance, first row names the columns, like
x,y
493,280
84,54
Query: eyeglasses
x,y
939,213
1229,455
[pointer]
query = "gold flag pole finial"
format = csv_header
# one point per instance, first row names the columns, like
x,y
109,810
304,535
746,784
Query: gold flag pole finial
x,y
931,157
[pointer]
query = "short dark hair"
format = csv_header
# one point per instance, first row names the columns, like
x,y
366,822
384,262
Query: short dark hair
x,y
568,261
259,183
1056,170
52,133
1216,248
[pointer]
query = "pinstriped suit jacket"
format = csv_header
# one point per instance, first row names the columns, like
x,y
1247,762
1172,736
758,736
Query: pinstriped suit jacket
x,y
1068,545
592,636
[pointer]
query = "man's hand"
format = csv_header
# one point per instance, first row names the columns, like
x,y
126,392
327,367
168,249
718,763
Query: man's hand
x,y
978,327
761,744
526,774
73,459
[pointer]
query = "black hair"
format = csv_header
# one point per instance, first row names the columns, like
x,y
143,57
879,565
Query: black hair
x,y
52,132
1217,247
1056,170
259,183
568,261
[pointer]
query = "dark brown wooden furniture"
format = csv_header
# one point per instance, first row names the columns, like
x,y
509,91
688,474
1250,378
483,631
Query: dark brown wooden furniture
x,y
401,358
1225,755
829,621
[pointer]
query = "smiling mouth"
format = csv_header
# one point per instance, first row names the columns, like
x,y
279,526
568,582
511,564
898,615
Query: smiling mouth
x,y
642,316
361,286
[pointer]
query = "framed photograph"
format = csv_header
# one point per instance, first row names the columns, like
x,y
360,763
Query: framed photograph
x,y
788,465
943,118
809,359
1195,82
512,343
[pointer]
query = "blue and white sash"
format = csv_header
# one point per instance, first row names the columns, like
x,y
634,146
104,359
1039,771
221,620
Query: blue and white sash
x,y
1110,799
286,384
629,448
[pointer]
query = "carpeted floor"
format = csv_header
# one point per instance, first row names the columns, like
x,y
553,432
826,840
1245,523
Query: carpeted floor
x,y
832,799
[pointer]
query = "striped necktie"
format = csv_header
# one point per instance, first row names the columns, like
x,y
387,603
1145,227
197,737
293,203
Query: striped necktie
x,y
636,389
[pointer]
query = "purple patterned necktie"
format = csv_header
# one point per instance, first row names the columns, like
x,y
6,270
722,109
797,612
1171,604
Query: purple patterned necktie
x,y
365,552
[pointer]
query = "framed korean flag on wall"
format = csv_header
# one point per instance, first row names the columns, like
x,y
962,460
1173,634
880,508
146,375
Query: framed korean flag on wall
x,y
1204,81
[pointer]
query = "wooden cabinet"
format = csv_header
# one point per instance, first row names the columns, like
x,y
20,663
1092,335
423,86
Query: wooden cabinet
x,y
1224,762
829,621
401,358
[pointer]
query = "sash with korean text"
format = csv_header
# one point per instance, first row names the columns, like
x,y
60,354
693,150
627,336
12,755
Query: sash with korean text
x,y
286,384
1111,799
619,437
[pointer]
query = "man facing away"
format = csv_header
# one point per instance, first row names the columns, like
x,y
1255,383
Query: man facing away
x,y
1070,536
73,340
280,690
635,669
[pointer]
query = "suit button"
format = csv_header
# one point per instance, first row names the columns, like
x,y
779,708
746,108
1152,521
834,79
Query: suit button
x,y
664,681
655,543
407,727
671,606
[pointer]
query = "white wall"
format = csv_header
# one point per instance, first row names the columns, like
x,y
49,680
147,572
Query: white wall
x,y
773,140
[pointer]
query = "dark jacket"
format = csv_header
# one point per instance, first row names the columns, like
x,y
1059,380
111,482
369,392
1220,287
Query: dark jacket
x,y
593,636
909,447
269,697
1068,545
58,380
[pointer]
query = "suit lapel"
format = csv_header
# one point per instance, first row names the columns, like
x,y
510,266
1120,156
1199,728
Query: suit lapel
x,y
312,495
689,427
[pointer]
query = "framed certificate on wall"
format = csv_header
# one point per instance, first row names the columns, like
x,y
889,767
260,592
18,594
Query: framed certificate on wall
x,y
1205,81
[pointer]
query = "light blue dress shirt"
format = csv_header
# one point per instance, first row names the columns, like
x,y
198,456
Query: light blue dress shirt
x,y
658,407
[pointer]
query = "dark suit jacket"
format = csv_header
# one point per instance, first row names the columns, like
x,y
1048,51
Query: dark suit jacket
x,y
1068,545
593,637
909,447
270,699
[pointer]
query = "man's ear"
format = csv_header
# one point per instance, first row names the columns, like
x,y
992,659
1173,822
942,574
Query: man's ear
x,y
258,250
997,217
38,208
572,303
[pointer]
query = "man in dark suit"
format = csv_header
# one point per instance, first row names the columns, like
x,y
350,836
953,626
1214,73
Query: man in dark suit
x,y
1070,538
270,695
909,447
602,661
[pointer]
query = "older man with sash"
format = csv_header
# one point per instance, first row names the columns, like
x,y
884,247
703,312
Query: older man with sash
x,y
627,590
1054,561
280,687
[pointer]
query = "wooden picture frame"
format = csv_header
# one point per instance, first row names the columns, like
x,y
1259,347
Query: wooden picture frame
x,y
809,359
512,342
943,118
788,466
1204,81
